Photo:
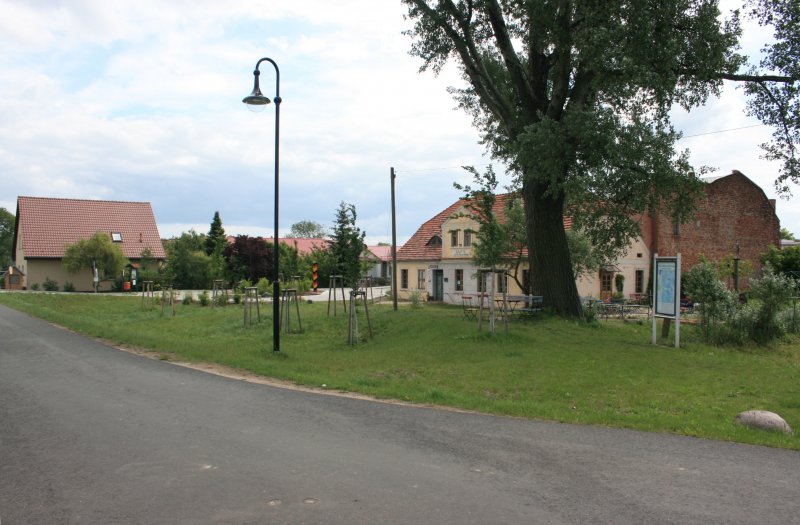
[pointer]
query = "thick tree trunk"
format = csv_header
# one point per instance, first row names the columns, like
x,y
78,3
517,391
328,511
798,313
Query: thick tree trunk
x,y
548,251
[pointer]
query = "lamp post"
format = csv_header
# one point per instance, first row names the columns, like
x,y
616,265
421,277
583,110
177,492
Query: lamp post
x,y
256,99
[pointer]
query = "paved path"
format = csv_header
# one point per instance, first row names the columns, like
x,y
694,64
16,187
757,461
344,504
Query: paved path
x,y
93,435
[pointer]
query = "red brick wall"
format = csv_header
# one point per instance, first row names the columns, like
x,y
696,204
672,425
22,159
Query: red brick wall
x,y
734,210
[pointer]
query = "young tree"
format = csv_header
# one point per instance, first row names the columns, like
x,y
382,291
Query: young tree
x,y
347,245
786,234
98,251
575,98
215,240
307,229
7,222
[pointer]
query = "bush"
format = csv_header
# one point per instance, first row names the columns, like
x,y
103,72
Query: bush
x,y
205,300
264,286
69,287
35,287
716,302
772,293
222,300
50,285
416,299
187,298
237,296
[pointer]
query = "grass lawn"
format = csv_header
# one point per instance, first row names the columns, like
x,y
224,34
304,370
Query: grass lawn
x,y
606,373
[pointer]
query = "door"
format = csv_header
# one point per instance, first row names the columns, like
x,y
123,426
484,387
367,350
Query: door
x,y
438,285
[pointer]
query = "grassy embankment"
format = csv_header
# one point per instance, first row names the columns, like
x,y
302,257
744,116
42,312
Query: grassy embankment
x,y
601,374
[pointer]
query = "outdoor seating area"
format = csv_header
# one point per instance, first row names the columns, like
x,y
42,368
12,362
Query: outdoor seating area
x,y
512,306
636,307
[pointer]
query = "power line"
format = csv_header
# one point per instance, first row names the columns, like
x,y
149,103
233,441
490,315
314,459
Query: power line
x,y
721,131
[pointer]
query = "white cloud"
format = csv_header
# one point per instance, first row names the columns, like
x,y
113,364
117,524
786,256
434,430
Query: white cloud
x,y
142,100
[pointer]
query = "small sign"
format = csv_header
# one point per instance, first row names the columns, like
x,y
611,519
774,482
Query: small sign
x,y
666,292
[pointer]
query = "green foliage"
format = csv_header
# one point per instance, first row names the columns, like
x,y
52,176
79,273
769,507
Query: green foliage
x,y
716,302
204,299
222,300
772,292
188,266
783,261
787,235
187,298
35,287
264,286
50,285
585,258
775,102
415,297
97,250
347,244
7,222
69,287
148,267
307,229
326,260
619,281
215,240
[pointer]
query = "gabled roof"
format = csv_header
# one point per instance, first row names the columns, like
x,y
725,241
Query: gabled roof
x,y
384,253
49,225
419,247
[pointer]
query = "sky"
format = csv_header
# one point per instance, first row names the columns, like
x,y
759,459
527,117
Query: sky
x,y
141,100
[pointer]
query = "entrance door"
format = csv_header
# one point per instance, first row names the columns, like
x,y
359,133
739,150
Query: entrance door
x,y
438,285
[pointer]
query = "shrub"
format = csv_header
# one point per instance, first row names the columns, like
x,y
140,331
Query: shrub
x,y
416,299
264,286
69,287
222,300
772,292
35,287
237,296
205,300
187,298
50,285
716,302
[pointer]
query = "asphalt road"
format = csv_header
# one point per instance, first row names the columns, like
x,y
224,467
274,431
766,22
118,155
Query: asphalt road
x,y
94,435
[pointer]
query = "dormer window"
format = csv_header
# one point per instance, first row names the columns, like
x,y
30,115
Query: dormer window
x,y
435,241
116,236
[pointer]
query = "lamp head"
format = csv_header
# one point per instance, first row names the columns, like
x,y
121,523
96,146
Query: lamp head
x,y
256,100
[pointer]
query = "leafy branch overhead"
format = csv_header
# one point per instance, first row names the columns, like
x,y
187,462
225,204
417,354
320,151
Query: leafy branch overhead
x,y
575,98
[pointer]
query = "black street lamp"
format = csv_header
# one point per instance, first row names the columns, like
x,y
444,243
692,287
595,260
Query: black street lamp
x,y
257,99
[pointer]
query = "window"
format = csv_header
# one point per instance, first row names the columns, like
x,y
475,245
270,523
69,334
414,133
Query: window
x,y
459,280
404,279
502,282
435,241
420,279
453,237
13,279
676,229
639,281
116,236
467,238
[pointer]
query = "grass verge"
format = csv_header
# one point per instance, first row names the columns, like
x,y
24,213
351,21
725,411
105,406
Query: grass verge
x,y
600,374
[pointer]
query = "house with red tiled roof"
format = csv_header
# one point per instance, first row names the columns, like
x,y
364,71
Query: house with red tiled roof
x,y
380,259
45,227
733,218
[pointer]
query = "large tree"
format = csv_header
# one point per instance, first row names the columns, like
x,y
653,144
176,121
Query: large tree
x,y
574,97
250,258
6,237
307,229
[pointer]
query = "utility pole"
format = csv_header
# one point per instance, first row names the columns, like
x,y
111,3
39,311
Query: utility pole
x,y
394,244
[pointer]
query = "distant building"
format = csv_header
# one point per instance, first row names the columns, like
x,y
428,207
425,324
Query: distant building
x,y
45,227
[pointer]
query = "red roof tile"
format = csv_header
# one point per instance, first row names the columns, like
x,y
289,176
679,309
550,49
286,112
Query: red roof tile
x,y
49,225
384,253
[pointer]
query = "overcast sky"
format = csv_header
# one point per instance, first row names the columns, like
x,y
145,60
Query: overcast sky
x,y
141,100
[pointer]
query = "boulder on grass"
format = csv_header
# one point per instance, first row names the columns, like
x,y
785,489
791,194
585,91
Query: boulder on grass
x,y
764,420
